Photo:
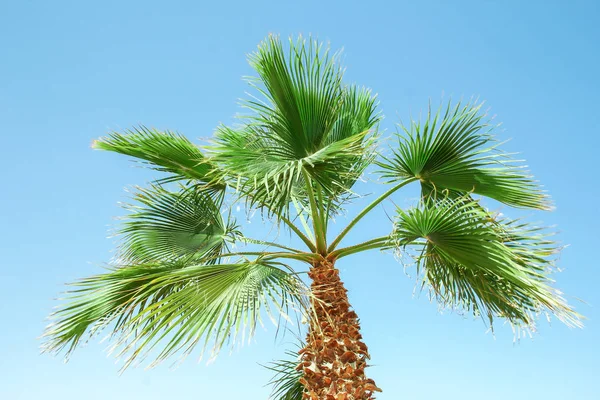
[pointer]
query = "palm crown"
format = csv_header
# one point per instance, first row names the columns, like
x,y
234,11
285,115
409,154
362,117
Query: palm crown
x,y
178,280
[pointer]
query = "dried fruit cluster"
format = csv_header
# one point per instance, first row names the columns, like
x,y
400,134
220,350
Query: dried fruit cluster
x,y
334,359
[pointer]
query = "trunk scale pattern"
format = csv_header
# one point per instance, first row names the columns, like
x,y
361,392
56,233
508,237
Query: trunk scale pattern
x,y
334,360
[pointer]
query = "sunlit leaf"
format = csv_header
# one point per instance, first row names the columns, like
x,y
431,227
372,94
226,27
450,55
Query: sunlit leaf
x,y
474,261
455,151
175,306
169,225
307,120
165,151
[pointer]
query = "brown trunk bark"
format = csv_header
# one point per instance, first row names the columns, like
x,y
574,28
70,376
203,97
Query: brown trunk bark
x,y
334,360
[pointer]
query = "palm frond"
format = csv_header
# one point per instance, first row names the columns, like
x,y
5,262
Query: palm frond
x,y
308,121
454,151
167,152
286,381
168,225
482,264
303,93
270,181
260,176
357,113
174,304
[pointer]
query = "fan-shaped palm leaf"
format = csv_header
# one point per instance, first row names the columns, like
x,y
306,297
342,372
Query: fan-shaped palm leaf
x,y
178,304
171,225
473,261
308,122
454,151
273,182
165,151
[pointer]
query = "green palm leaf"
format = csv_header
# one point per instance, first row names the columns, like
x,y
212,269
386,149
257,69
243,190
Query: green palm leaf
x,y
472,261
303,92
286,381
269,180
167,152
308,122
178,305
454,151
171,225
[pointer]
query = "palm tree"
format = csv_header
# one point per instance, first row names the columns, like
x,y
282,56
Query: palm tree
x,y
185,275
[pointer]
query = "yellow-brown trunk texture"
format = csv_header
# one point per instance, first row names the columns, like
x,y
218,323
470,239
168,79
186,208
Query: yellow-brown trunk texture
x,y
334,360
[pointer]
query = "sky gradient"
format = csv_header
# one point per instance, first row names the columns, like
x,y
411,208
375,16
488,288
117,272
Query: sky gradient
x,y
73,71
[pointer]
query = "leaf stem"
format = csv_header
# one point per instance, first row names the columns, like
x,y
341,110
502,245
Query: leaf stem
x,y
322,214
366,210
307,257
299,233
377,243
267,243
317,223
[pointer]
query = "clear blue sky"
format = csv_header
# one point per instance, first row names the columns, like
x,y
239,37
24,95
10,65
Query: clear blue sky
x,y
72,71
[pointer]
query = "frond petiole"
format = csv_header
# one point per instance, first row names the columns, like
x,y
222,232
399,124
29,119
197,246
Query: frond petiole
x,y
366,210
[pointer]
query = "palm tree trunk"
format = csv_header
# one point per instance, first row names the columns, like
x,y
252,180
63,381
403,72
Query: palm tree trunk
x,y
334,360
